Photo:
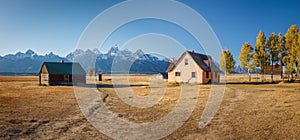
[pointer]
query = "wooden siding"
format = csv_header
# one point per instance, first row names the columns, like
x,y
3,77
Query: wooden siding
x,y
215,77
206,79
44,79
277,70
61,79
66,79
79,79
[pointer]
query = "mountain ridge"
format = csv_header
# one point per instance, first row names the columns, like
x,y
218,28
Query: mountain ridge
x,y
140,62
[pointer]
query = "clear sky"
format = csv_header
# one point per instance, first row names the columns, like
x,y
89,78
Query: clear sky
x,y
56,25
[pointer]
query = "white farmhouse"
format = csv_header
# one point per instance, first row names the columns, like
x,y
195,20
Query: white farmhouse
x,y
193,67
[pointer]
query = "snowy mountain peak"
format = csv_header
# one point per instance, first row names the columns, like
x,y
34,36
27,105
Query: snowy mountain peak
x,y
113,50
18,55
139,52
51,55
30,52
78,52
89,51
96,51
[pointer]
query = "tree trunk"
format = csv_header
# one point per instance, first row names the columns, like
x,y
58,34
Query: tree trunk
x,y
249,75
225,77
281,71
272,71
262,73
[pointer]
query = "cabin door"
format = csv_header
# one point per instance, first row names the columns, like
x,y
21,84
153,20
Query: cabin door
x,y
66,77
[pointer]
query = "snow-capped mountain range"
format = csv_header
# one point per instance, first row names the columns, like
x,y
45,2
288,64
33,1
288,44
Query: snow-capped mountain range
x,y
114,61
28,62
119,61
239,70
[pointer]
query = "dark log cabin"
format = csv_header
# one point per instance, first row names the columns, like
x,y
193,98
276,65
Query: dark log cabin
x,y
61,73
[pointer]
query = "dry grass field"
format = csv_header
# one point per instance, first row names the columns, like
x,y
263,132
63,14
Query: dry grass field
x,y
248,110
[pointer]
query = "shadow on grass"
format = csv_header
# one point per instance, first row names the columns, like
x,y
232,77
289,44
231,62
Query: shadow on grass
x,y
110,85
261,83
251,83
119,85
138,85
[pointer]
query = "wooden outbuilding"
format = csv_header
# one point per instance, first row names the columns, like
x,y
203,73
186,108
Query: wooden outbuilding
x,y
162,75
61,73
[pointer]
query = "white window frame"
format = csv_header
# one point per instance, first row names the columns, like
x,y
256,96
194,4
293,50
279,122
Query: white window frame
x,y
194,75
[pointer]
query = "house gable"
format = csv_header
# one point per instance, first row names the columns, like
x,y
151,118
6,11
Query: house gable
x,y
43,69
175,63
201,60
185,70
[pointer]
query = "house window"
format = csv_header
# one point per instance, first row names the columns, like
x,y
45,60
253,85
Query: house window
x,y
207,74
177,73
186,61
193,74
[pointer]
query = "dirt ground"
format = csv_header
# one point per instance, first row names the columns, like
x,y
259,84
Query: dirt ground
x,y
248,110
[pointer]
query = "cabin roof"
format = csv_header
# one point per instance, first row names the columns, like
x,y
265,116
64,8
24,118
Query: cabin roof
x,y
199,59
63,68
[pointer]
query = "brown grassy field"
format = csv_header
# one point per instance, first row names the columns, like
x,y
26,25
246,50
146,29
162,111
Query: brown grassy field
x,y
248,111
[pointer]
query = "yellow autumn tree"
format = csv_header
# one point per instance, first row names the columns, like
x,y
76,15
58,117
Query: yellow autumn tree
x,y
246,57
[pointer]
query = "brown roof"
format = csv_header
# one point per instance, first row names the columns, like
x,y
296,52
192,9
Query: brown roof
x,y
198,58
172,65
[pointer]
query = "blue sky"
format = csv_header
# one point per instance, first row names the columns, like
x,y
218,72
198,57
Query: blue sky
x,y
56,25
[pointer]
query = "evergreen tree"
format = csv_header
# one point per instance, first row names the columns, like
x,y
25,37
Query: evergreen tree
x,y
291,46
246,58
227,62
273,51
